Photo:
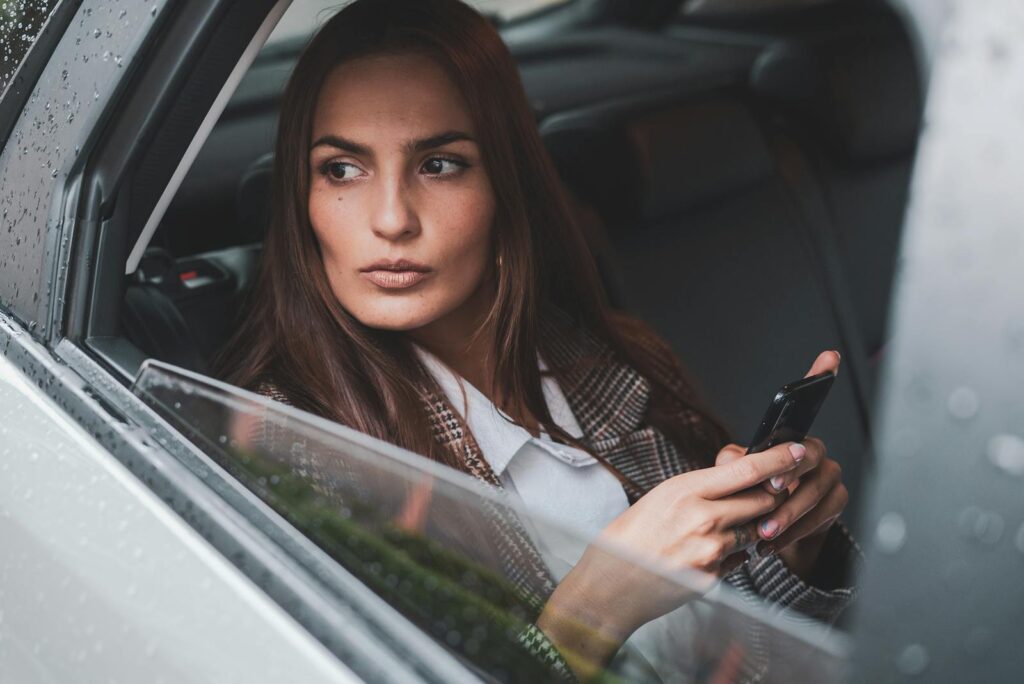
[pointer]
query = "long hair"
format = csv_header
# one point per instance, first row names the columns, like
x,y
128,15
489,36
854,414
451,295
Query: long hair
x,y
295,334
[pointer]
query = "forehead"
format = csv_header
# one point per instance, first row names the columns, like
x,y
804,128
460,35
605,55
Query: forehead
x,y
379,95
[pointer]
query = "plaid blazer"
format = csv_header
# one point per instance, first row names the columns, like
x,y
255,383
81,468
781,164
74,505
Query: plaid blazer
x,y
610,401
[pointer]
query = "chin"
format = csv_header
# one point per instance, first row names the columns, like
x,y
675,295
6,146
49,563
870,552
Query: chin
x,y
399,316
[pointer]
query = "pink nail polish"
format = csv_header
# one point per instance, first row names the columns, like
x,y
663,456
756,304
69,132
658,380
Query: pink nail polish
x,y
778,483
798,450
769,528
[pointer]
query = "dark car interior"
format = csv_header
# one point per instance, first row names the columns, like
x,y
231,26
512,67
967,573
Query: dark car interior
x,y
748,172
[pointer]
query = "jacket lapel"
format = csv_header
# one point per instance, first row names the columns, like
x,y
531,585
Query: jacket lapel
x,y
516,555
610,399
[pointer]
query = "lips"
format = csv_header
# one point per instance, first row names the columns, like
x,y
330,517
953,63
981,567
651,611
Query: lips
x,y
395,275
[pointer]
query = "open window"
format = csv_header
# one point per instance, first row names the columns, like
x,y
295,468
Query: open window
x,y
174,200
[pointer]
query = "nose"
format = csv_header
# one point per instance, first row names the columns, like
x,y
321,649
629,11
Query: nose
x,y
393,215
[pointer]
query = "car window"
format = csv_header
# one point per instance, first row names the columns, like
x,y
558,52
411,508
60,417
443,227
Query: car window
x,y
20,23
431,541
305,16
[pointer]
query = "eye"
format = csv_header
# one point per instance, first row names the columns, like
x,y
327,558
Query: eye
x,y
338,170
444,166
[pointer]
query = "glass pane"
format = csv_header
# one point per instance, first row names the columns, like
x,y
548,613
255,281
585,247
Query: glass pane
x,y
443,549
304,17
20,23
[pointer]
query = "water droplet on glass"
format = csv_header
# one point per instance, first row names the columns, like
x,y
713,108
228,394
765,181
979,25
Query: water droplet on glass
x,y
912,660
984,526
891,532
1006,452
963,403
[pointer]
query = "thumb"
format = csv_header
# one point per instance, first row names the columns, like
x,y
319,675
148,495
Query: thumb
x,y
826,361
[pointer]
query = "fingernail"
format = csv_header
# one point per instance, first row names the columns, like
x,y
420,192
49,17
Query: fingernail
x,y
770,528
838,355
798,451
778,483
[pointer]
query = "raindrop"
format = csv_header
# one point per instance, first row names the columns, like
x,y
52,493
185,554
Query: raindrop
x,y
913,660
984,526
891,532
963,403
1006,452
97,33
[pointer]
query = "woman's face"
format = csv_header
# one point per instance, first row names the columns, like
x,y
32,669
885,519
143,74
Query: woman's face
x,y
396,176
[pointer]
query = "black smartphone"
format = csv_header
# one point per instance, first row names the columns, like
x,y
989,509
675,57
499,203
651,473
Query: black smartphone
x,y
791,412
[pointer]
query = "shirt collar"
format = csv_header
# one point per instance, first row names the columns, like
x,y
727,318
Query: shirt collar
x,y
498,438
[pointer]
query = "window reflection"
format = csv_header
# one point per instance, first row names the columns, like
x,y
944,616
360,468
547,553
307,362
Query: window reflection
x,y
429,540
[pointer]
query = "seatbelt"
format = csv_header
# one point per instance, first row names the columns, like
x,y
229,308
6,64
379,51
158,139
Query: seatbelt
x,y
807,196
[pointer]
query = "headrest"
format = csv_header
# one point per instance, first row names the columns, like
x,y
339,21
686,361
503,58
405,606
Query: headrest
x,y
660,161
695,153
863,96
252,200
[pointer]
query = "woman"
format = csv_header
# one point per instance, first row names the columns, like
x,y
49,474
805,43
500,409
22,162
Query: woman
x,y
420,248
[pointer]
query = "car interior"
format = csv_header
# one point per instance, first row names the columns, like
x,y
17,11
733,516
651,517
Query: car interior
x,y
743,173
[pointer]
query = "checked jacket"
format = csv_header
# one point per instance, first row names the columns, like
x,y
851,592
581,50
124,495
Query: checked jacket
x,y
610,401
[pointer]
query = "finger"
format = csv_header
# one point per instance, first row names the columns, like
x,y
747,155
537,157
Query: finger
x,y
836,500
752,469
826,361
740,508
738,538
804,499
729,453
815,453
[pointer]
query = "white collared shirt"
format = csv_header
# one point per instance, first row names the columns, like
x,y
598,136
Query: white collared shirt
x,y
555,481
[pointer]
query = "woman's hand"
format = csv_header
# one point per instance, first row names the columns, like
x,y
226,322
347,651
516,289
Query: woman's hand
x,y
695,520
817,496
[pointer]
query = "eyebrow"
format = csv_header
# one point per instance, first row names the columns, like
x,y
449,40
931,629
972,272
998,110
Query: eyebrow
x,y
427,143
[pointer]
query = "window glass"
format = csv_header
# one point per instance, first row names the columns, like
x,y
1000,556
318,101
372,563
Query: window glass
x,y
20,23
444,550
305,16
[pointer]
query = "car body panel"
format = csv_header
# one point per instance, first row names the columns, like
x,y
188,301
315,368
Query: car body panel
x,y
102,581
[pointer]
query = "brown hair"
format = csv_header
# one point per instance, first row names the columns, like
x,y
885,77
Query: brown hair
x,y
295,333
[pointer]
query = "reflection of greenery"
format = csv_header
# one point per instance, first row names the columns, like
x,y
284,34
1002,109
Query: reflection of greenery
x,y
461,603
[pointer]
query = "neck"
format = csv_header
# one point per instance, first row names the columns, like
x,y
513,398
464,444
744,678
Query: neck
x,y
451,339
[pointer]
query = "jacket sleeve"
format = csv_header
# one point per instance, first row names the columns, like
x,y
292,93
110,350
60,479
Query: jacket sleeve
x,y
822,596
830,589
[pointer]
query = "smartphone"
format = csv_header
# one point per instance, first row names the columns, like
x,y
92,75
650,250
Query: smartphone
x,y
791,412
